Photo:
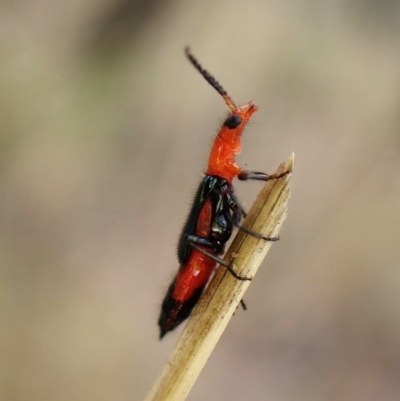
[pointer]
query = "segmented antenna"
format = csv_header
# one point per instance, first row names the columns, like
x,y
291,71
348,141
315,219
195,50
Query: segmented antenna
x,y
210,79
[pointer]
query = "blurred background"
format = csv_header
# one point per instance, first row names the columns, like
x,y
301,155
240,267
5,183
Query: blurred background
x,y
105,129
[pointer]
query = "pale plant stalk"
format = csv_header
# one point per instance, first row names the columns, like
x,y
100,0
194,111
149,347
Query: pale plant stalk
x,y
222,296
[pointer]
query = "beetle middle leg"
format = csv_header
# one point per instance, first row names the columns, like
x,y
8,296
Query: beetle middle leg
x,y
238,212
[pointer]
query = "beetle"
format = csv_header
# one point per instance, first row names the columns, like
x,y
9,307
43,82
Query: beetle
x,y
214,213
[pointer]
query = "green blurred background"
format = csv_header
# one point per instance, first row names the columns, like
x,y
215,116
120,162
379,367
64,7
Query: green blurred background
x,y
105,129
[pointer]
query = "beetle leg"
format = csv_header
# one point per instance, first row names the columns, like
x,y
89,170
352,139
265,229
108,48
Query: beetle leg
x,y
258,175
237,212
256,234
196,239
221,262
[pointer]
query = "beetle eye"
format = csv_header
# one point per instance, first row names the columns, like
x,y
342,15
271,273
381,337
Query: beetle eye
x,y
232,121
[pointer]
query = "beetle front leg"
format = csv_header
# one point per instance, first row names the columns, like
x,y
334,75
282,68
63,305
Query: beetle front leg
x,y
258,175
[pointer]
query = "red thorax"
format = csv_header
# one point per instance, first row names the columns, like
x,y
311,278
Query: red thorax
x,y
227,145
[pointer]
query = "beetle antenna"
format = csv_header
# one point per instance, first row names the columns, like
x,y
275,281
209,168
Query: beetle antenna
x,y
210,79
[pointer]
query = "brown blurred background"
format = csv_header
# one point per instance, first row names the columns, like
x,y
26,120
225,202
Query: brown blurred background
x,y
105,129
